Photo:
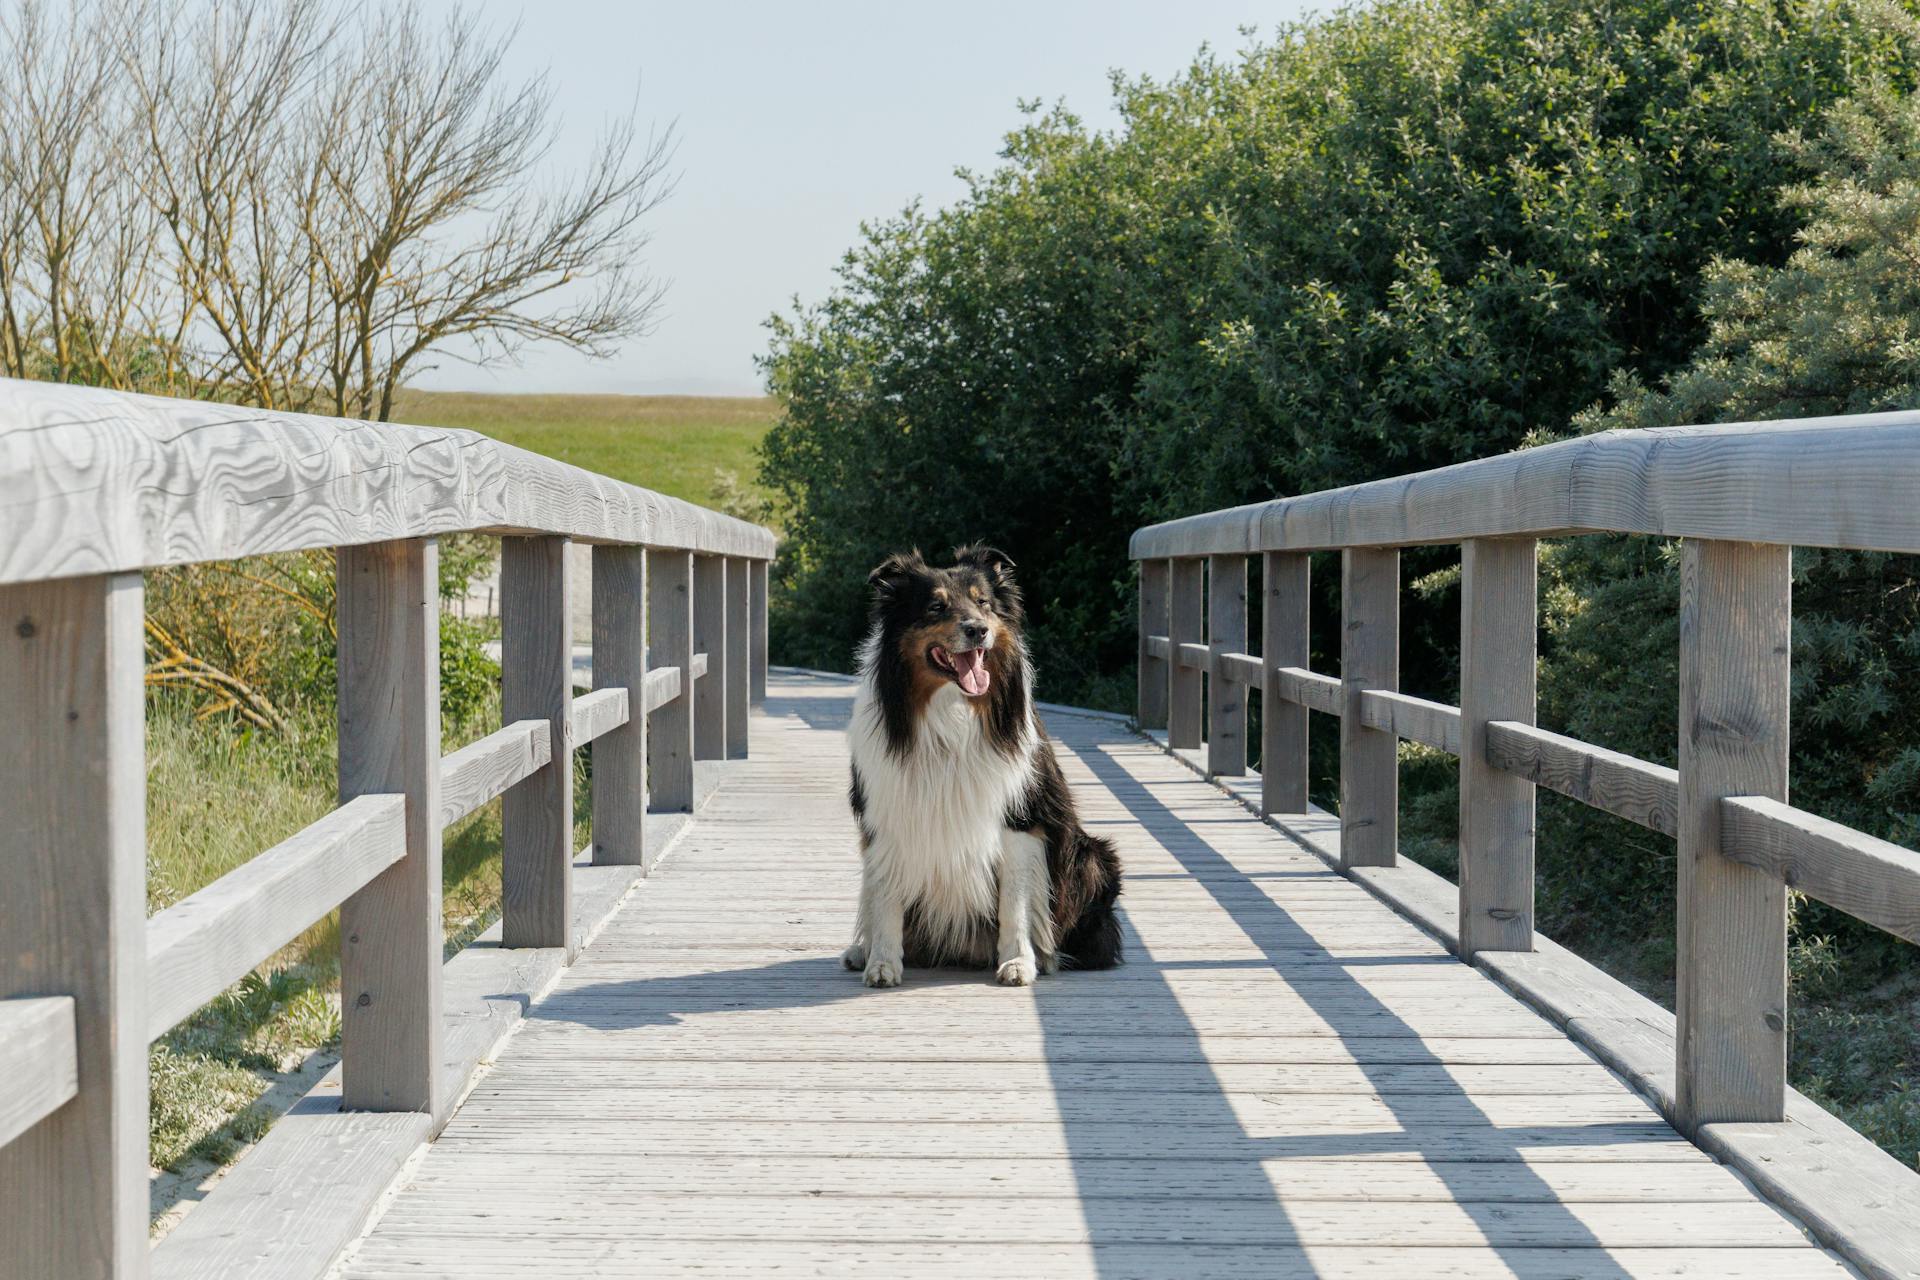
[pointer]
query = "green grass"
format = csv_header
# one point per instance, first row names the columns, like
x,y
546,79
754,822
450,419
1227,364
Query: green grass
x,y
671,444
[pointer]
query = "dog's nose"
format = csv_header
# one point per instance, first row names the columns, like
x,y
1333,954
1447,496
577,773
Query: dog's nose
x,y
974,631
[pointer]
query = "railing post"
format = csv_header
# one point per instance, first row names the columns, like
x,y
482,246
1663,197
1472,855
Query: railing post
x,y
1498,625
1153,672
391,936
1369,659
1187,604
710,638
536,683
1226,697
620,662
739,657
1735,636
758,570
1283,643
73,916
670,729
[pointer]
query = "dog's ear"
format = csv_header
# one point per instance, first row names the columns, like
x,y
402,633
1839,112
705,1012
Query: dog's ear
x,y
996,564
893,574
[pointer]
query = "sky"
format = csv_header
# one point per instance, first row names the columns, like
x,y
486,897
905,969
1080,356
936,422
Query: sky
x,y
795,121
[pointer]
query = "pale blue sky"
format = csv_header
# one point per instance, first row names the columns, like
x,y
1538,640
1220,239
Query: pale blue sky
x,y
798,120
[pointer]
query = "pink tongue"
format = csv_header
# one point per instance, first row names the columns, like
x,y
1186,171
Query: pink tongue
x,y
971,668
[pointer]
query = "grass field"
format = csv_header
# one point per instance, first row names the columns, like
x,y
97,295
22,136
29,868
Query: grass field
x,y
672,444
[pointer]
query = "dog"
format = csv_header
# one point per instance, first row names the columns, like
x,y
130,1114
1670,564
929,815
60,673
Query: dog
x,y
971,852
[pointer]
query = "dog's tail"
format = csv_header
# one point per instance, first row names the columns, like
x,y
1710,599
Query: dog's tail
x,y
1093,941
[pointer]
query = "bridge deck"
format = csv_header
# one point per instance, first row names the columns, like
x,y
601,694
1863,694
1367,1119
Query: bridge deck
x,y
1288,1079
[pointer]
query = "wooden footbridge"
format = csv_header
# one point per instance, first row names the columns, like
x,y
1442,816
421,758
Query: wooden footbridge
x,y
1320,1061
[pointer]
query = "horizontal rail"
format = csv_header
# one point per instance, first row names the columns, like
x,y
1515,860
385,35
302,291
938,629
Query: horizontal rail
x,y
1309,689
1743,482
596,713
1868,878
1196,656
38,1060
1241,668
481,770
1622,785
1159,647
699,665
663,686
95,481
207,941
1416,719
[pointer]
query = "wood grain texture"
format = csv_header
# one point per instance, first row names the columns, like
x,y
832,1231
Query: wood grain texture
x,y
1869,879
620,662
1162,648
1735,646
481,770
597,713
1369,659
390,931
739,657
670,724
96,481
1241,668
1226,697
1195,657
663,686
211,939
710,639
73,1188
1499,625
1310,689
38,1060
1286,608
1821,482
1434,724
757,575
1625,786
536,683
1150,706
697,669
1187,604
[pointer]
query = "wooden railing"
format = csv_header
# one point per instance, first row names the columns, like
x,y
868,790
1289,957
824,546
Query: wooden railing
x,y
96,487
1739,498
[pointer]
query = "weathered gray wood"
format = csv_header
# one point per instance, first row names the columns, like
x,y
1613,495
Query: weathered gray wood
x,y
738,657
1735,642
1162,648
620,662
1286,606
1241,668
73,1188
1187,614
536,683
1498,624
38,1060
211,939
757,573
1226,698
670,724
1434,724
663,686
1369,659
697,669
481,770
710,638
1151,668
1309,689
1195,657
598,713
1622,785
1869,879
390,931
99,481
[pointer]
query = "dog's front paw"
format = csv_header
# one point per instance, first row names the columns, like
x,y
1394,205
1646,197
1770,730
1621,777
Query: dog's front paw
x,y
1017,972
855,957
883,973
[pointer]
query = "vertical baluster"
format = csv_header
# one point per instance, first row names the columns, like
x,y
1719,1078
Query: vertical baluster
x,y
1735,636
758,570
739,608
670,729
1498,625
1153,672
1187,606
1283,643
1369,659
1226,696
620,662
536,683
710,638
73,1188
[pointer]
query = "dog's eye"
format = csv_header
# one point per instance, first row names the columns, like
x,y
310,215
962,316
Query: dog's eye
x,y
937,608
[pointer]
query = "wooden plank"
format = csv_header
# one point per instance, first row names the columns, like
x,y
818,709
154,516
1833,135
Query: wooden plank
x,y
663,686
212,938
670,724
1187,612
481,770
38,1060
1150,708
597,713
1870,879
710,639
536,683
1241,668
1226,698
1369,659
738,660
1731,991
390,931
757,572
698,666
73,1188
1196,657
1310,689
1499,625
1622,785
1160,647
1286,607
1416,719
620,662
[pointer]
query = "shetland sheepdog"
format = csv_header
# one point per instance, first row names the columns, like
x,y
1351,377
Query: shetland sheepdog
x,y
971,853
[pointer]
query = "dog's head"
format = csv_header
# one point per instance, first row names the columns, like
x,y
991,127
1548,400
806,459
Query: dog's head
x,y
959,623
